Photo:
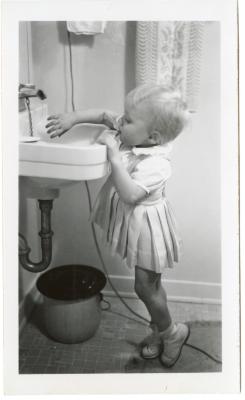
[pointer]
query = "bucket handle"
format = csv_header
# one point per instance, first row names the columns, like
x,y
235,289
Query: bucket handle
x,y
107,304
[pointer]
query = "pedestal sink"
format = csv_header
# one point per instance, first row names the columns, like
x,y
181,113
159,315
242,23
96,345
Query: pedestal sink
x,y
75,156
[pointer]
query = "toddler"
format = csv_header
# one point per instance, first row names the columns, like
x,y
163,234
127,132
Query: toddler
x,y
132,208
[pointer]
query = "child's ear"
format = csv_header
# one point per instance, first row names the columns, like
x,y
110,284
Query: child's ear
x,y
155,137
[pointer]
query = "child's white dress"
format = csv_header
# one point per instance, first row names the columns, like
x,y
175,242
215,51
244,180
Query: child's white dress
x,y
143,234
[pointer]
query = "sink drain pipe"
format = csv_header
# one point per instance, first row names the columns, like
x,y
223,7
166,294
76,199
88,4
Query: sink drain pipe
x,y
46,241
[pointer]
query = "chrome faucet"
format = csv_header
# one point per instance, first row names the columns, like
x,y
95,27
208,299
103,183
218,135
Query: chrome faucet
x,y
27,90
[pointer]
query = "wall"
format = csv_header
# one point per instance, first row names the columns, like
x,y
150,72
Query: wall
x,y
103,68
194,189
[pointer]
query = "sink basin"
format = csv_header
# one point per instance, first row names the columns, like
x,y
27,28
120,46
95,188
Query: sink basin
x,y
75,156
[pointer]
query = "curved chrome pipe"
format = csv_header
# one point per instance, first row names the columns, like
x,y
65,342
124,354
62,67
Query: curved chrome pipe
x,y
46,241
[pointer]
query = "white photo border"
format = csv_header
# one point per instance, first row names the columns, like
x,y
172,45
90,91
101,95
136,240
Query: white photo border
x,y
225,11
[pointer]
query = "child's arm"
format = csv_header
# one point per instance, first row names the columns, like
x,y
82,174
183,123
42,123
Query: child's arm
x,y
61,123
126,188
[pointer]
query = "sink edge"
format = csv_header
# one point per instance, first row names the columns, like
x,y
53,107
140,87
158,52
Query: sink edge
x,y
63,172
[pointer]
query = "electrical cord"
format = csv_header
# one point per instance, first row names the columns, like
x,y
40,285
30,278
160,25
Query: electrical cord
x,y
204,352
94,232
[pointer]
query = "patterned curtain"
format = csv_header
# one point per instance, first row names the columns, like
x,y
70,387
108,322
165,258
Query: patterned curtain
x,y
170,53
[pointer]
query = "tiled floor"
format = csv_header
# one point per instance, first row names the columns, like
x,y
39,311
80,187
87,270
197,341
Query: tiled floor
x,y
115,346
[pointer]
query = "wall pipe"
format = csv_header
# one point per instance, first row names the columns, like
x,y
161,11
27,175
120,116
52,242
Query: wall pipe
x,y
46,241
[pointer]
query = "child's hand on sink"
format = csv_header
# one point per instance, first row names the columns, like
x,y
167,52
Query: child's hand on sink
x,y
60,123
108,138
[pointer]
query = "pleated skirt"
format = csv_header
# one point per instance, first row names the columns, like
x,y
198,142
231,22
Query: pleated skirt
x,y
144,234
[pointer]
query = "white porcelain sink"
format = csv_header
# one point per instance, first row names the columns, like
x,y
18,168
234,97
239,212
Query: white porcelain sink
x,y
53,163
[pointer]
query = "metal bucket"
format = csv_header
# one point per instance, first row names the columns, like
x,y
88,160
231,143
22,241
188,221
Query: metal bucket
x,y
71,302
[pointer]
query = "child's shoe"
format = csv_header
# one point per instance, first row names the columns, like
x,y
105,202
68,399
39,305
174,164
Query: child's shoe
x,y
152,344
174,339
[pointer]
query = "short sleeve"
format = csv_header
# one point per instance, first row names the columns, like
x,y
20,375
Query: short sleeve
x,y
152,173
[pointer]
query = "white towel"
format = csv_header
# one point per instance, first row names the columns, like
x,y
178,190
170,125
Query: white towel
x,y
86,27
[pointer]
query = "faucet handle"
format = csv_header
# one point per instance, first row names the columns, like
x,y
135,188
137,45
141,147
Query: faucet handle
x,y
26,86
26,90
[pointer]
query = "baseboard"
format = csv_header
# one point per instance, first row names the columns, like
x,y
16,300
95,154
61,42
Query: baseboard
x,y
181,291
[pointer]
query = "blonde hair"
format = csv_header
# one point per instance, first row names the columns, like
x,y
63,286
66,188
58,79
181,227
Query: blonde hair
x,y
168,113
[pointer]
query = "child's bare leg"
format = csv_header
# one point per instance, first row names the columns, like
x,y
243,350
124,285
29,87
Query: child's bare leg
x,y
149,289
